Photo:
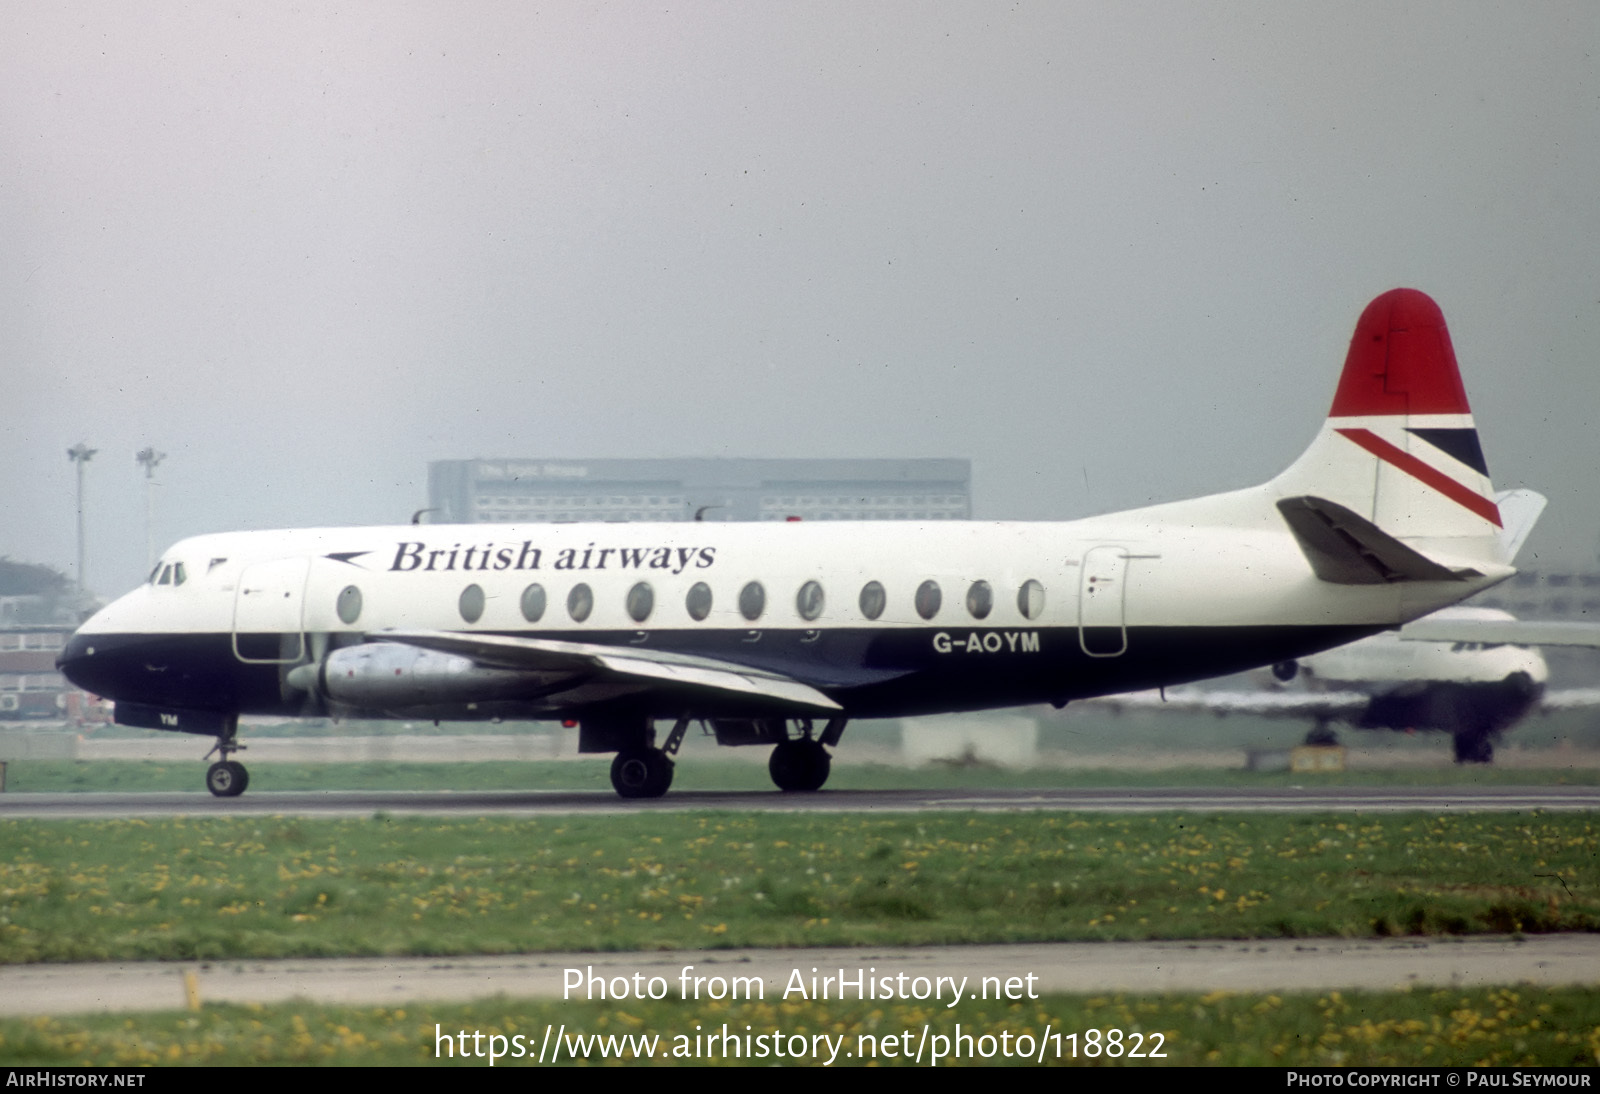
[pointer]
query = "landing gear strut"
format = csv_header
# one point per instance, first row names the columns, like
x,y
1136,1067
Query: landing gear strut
x,y
227,778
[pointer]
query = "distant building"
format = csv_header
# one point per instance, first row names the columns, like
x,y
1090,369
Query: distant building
x,y
522,490
38,612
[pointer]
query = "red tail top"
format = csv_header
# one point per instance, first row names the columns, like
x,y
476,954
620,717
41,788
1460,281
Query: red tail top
x,y
1400,361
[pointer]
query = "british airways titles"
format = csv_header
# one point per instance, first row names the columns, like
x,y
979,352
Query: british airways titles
x,y
412,555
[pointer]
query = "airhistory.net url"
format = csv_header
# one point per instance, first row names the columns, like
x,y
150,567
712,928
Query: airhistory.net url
x,y
918,1046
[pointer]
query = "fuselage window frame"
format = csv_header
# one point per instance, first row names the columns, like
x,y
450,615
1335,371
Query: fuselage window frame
x,y
1030,599
471,603
873,599
533,603
929,599
641,601
809,601
580,602
348,605
697,601
980,599
752,600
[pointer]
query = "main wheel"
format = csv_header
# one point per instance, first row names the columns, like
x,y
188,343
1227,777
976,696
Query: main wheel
x,y
801,765
641,773
227,778
1474,748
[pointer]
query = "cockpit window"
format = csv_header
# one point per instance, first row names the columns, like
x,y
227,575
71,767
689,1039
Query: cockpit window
x,y
168,573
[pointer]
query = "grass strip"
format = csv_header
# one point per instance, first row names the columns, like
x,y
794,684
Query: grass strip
x,y
241,887
1482,1027
65,776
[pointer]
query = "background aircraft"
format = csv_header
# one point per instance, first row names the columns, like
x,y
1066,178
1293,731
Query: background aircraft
x,y
1470,672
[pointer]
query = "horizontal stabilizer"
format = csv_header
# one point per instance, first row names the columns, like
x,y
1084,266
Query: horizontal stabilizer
x,y
1520,510
547,655
1346,549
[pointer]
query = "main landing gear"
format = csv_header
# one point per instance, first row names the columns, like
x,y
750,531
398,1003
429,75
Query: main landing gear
x,y
643,771
799,765
802,764
227,778
1474,747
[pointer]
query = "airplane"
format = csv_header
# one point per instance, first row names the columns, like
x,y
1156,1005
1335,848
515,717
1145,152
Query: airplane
x,y
761,631
1465,680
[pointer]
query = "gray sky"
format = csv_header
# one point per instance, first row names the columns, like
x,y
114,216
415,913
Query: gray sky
x,y
1112,252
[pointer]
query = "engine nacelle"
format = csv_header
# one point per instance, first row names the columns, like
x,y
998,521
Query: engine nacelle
x,y
394,676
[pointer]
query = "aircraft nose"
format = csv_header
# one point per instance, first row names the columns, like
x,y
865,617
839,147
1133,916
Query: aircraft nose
x,y
77,663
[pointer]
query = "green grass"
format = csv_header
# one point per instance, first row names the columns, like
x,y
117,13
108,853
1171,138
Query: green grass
x,y
214,888
696,773
1486,1027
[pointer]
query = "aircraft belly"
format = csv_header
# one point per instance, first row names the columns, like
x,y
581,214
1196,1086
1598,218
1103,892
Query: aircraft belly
x,y
869,672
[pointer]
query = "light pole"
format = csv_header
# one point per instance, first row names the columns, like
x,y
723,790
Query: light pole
x,y
80,454
148,457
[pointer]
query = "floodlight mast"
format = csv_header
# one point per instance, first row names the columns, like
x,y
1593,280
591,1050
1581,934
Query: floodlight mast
x,y
149,458
81,454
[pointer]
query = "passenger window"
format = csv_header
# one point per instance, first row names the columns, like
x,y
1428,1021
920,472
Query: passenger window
x,y
698,601
928,599
471,603
1030,599
752,601
533,603
641,600
980,600
580,602
809,601
873,600
349,604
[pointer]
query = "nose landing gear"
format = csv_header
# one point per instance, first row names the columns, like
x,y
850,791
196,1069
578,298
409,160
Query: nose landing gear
x,y
227,778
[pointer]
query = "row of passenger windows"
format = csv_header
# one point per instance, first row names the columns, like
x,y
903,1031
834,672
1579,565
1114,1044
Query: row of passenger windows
x,y
809,601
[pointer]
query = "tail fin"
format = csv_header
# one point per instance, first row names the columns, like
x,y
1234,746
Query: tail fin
x,y
1400,449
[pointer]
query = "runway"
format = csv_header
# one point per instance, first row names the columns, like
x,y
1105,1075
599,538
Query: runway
x,y
1201,966
353,803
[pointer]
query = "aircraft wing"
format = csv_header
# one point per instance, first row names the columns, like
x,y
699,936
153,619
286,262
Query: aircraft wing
x,y
1569,699
546,656
1264,704
1506,632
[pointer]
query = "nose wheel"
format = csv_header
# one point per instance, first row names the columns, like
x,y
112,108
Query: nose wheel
x,y
227,778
